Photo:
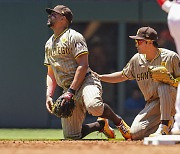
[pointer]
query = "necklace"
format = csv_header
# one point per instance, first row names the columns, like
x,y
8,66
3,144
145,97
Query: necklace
x,y
157,55
60,34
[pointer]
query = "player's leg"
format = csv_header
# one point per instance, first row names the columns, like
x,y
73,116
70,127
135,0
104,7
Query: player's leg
x,y
147,121
92,127
92,96
92,100
175,33
176,127
73,127
174,24
177,42
167,96
117,120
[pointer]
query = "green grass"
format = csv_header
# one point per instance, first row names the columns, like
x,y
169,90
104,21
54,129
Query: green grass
x,y
45,134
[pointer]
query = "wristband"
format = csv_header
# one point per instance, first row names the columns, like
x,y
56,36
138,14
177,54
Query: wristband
x,y
72,91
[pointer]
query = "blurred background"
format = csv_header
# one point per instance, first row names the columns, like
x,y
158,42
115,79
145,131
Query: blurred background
x,y
106,25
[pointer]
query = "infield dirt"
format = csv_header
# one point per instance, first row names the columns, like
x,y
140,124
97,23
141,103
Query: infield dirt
x,y
85,147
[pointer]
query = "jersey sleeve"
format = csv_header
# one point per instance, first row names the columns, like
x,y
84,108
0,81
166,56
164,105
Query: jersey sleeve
x,y
128,70
79,45
176,65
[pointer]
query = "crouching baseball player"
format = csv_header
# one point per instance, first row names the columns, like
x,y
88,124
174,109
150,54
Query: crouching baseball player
x,y
66,56
173,9
156,71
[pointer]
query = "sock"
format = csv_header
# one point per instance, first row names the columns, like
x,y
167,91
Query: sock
x,y
92,127
165,122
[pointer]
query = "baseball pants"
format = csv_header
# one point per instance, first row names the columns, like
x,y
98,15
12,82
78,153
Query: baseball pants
x,y
148,120
88,99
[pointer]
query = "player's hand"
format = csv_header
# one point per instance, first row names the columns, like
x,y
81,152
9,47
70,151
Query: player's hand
x,y
96,75
49,103
67,97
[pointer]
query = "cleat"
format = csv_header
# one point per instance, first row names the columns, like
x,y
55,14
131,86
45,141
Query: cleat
x,y
162,130
107,130
176,129
124,129
171,123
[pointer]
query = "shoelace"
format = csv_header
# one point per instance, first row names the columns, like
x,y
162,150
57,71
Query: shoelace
x,y
123,128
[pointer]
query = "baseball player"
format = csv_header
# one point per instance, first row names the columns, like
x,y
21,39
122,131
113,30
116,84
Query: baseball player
x,y
157,116
66,57
173,10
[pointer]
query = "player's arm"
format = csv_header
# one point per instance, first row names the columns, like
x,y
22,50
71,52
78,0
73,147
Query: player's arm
x,y
165,5
113,77
50,82
81,71
51,86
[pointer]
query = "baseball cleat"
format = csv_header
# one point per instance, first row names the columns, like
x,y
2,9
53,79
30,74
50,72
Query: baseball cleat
x,y
107,130
162,130
124,129
171,123
176,129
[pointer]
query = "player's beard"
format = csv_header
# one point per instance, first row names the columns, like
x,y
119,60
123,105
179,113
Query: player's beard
x,y
50,22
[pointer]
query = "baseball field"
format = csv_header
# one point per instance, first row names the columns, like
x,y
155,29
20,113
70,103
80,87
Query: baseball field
x,y
46,141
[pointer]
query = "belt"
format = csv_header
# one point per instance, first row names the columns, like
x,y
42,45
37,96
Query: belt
x,y
87,74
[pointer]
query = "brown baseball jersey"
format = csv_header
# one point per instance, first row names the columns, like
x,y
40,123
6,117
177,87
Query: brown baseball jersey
x,y
61,53
137,69
160,97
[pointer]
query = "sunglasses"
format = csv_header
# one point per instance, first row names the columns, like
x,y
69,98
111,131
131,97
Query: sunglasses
x,y
139,42
56,14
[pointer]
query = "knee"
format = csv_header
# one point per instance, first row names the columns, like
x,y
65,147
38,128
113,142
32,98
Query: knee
x,y
163,88
136,135
137,132
95,109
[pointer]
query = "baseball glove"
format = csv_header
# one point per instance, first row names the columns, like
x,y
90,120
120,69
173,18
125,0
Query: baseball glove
x,y
62,107
161,74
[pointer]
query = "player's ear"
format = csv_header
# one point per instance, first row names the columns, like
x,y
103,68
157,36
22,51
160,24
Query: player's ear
x,y
149,42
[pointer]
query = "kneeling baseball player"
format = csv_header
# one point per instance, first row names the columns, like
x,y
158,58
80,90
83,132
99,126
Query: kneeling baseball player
x,y
66,57
156,71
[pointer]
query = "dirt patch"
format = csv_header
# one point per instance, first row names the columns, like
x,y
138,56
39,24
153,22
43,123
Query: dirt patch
x,y
85,147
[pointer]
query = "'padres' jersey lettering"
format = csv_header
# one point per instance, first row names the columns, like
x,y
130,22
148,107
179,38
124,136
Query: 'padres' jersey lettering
x,y
143,76
58,51
137,69
61,53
